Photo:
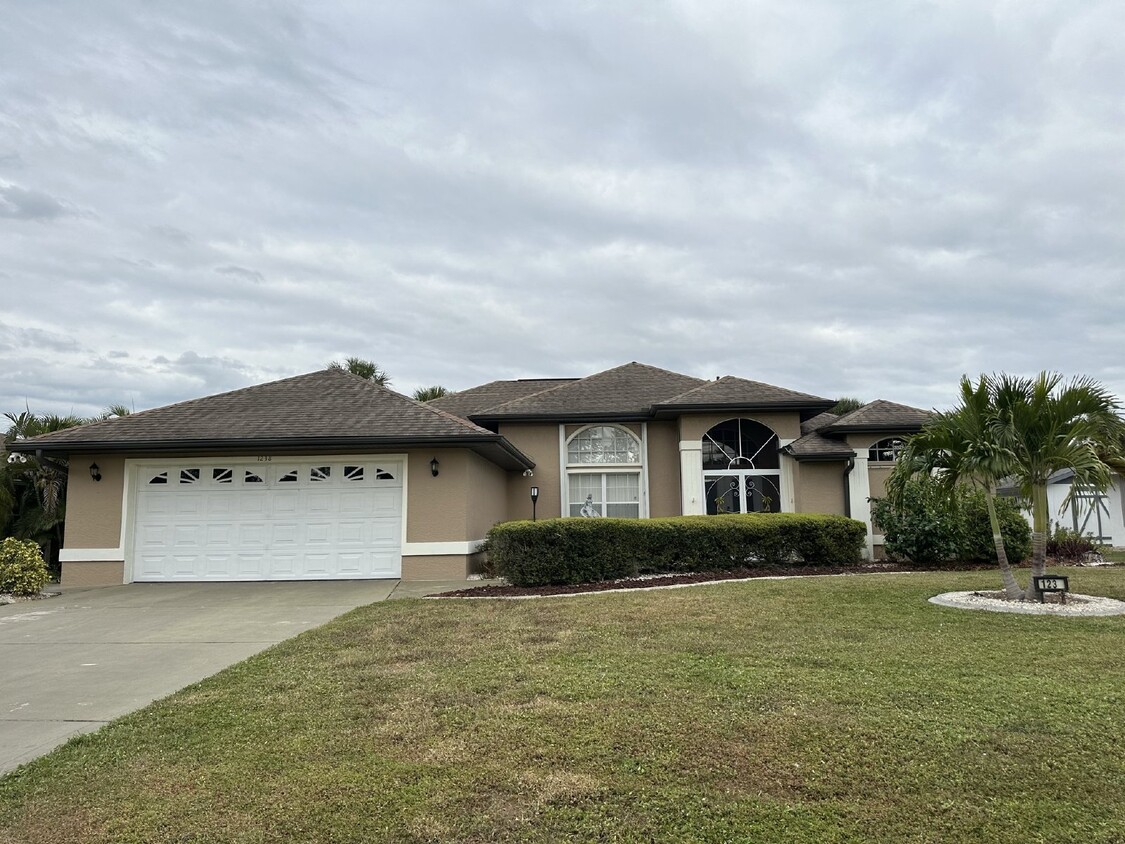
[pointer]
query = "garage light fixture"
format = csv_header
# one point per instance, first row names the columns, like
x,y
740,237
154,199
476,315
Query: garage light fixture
x,y
434,467
95,472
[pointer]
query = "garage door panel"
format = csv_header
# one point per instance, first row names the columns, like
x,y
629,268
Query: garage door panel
x,y
308,518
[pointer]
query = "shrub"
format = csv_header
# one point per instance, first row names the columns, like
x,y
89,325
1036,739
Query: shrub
x,y
929,528
1070,545
566,551
22,569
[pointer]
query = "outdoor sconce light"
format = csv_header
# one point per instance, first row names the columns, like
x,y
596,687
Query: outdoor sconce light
x,y
95,472
434,467
534,498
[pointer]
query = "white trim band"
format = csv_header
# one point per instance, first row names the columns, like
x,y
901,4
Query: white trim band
x,y
92,555
425,549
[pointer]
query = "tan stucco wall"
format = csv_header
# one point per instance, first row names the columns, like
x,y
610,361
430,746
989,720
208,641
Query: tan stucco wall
x,y
93,574
93,508
487,494
877,475
663,469
787,425
437,567
820,488
540,442
437,509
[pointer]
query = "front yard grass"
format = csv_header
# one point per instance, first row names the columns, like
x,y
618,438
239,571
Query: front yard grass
x,y
820,710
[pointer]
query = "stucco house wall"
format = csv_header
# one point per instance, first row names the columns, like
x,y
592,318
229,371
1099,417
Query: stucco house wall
x,y
820,488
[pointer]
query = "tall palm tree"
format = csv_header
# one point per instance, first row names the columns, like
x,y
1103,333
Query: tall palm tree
x,y
1047,425
959,447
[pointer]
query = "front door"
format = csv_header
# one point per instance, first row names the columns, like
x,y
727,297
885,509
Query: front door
x,y
742,491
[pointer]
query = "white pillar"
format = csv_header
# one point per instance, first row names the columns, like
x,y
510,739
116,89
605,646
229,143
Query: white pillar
x,y
859,487
691,478
788,477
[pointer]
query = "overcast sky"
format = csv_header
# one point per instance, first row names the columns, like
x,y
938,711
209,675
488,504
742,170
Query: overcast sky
x,y
860,198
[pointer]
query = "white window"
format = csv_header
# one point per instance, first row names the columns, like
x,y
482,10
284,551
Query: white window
x,y
886,451
603,473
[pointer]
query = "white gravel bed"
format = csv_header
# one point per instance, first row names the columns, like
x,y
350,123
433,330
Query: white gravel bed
x,y
1076,605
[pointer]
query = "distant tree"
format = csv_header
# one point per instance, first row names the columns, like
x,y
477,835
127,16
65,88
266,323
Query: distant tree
x,y
114,410
430,393
846,405
366,369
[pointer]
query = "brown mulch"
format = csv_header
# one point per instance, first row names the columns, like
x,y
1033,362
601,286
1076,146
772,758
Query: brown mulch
x,y
648,581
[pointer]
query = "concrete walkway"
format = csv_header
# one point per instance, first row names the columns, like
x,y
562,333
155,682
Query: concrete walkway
x,y
70,664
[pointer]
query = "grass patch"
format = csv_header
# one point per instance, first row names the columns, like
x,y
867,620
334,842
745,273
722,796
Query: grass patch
x,y
822,710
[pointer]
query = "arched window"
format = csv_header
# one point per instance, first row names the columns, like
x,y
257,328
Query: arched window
x,y
886,451
592,489
741,468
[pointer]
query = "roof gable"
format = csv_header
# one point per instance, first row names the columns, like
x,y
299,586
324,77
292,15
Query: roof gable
x,y
628,390
326,407
880,415
741,392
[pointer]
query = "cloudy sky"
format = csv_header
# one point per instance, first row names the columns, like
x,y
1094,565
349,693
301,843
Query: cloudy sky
x,y
861,198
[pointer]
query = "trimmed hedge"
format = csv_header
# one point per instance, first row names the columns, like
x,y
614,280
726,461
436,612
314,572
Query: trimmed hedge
x,y
566,551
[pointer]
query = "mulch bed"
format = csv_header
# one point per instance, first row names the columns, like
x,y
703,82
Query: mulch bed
x,y
648,581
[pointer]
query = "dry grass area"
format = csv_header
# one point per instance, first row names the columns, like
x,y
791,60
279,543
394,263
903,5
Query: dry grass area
x,y
840,709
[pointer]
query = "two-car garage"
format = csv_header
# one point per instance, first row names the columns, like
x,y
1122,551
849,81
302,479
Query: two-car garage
x,y
266,518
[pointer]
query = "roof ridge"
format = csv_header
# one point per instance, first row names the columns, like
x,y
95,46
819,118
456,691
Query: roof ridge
x,y
445,414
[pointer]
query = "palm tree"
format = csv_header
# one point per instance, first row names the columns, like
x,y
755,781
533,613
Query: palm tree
x,y
33,491
430,393
1046,425
959,447
366,369
846,405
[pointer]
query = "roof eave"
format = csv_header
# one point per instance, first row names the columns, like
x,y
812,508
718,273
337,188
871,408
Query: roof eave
x,y
667,410
494,448
866,429
491,419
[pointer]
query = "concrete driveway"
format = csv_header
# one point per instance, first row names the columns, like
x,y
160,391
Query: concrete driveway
x,y
70,664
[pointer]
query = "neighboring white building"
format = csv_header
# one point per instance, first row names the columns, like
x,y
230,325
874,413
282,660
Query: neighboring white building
x,y
1099,515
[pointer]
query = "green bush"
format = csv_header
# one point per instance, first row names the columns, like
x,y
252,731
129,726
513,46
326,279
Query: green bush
x,y
928,528
1069,545
567,551
22,569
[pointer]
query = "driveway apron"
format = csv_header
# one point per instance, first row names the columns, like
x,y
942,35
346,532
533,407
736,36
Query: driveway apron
x,y
70,664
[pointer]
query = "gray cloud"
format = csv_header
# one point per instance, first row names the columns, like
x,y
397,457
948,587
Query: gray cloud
x,y
18,203
867,200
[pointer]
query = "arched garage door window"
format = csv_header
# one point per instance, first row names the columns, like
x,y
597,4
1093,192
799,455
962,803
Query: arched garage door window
x,y
741,468
603,473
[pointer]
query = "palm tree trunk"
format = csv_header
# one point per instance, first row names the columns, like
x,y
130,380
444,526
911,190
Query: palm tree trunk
x,y
1039,522
1011,587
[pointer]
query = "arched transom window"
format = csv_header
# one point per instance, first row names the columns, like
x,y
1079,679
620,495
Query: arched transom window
x,y
886,451
741,468
593,489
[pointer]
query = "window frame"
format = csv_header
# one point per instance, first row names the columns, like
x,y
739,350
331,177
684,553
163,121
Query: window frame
x,y
639,469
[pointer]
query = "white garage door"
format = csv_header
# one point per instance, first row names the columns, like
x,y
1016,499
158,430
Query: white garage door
x,y
281,518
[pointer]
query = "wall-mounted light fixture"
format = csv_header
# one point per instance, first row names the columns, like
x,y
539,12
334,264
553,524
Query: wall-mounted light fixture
x,y
95,472
434,467
534,498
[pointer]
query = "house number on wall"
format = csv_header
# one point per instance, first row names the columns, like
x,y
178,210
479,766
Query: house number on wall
x,y
265,458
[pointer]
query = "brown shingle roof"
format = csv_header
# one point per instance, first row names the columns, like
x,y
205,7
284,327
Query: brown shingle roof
x,y
479,399
628,390
740,392
816,446
321,409
881,416
818,422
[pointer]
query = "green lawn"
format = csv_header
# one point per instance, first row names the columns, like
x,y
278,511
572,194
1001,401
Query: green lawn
x,y
819,710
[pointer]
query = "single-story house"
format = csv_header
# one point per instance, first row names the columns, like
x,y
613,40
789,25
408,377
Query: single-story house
x,y
1097,514
329,476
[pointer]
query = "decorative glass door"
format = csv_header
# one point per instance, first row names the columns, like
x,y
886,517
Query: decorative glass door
x,y
741,468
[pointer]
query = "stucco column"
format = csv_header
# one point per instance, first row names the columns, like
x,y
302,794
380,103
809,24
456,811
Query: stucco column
x,y
691,478
788,480
859,487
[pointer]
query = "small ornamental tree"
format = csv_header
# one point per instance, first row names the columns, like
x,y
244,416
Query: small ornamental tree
x,y
22,568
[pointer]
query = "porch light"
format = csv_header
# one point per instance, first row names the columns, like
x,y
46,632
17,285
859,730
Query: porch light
x,y
95,472
434,467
